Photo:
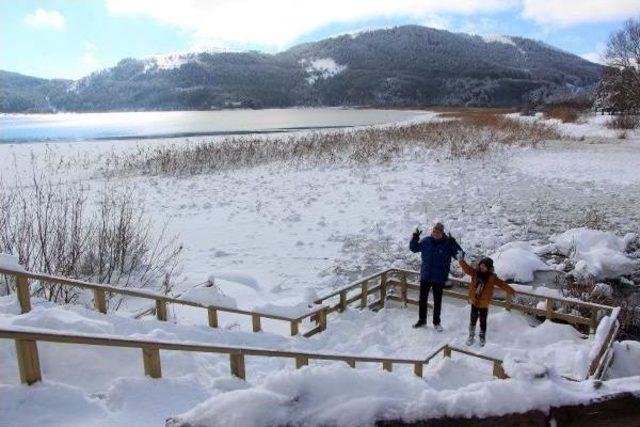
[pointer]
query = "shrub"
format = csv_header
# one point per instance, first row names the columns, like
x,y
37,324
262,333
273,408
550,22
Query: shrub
x,y
462,136
564,113
53,229
626,121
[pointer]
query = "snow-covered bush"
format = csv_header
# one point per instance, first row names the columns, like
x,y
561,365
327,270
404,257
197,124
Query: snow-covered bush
x,y
56,229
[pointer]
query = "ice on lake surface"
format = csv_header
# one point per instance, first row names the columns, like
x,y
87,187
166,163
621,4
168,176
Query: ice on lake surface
x,y
74,126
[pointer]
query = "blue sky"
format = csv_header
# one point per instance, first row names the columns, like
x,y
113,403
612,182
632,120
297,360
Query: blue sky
x,y
71,38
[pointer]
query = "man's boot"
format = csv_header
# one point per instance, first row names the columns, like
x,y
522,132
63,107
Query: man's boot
x,y
472,334
420,324
482,340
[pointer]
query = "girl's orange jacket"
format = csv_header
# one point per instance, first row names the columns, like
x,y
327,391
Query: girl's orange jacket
x,y
484,299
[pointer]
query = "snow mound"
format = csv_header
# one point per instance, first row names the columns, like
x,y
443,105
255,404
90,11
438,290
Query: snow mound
x,y
293,311
625,359
596,253
10,262
517,261
341,396
524,369
209,295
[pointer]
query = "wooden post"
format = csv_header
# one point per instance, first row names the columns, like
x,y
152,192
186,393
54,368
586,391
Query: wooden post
x,y
100,300
161,310
236,361
383,289
508,302
151,360
403,287
255,321
363,295
294,328
343,301
594,320
301,361
24,296
351,363
387,366
498,370
322,319
213,317
549,308
417,369
447,351
28,361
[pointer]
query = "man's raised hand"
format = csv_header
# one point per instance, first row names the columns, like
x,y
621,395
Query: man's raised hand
x,y
417,232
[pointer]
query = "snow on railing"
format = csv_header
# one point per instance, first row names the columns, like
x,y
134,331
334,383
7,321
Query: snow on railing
x,y
29,363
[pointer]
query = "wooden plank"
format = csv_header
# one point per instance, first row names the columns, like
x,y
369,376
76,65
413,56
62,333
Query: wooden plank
x,y
24,294
100,300
498,370
213,317
236,363
161,310
446,351
593,326
549,311
322,319
28,361
387,366
255,322
403,287
301,361
343,301
383,288
508,302
363,294
295,329
417,369
151,361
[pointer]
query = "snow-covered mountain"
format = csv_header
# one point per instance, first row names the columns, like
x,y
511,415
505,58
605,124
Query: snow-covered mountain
x,y
407,65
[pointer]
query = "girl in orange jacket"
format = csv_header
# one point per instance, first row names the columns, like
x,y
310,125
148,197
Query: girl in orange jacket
x,y
483,280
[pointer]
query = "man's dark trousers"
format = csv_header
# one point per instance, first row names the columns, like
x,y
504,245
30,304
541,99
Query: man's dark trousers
x,y
425,287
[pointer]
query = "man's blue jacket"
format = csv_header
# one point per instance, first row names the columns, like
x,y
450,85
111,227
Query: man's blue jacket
x,y
436,257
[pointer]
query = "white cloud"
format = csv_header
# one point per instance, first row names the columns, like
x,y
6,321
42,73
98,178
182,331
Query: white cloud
x,y
596,56
436,21
571,12
46,19
280,22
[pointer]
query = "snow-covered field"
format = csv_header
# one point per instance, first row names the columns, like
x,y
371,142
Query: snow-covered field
x,y
275,235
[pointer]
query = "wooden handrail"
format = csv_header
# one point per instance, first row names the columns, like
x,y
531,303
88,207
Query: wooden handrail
x,y
29,364
564,300
161,300
319,314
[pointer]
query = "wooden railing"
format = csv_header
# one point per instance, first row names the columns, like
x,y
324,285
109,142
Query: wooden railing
x,y
378,284
30,372
556,308
24,278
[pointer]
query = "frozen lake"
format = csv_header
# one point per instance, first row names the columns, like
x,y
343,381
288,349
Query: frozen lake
x,y
83,126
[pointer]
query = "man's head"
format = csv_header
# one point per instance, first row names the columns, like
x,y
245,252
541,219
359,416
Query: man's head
x,y
438,231
485,265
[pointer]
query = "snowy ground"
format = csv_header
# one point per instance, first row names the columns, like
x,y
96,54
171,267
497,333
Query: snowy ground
x,y
276,235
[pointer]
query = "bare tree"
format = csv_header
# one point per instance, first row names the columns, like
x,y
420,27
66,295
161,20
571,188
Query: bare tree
x,y
619,89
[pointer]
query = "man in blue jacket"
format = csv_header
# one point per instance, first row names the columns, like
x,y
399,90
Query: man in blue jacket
x,y
437,251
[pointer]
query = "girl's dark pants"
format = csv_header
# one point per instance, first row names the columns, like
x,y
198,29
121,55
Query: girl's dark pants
x,y
482,313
